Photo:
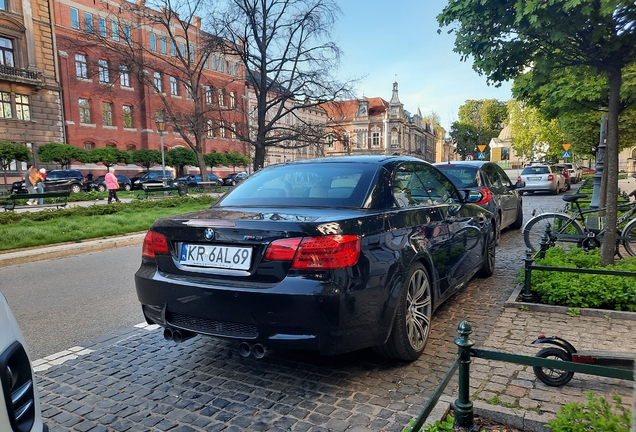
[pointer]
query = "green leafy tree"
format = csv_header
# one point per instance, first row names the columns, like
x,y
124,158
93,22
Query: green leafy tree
x,y
146,158
237,159
465,137
63,154
109,156
534,136
180,157
479,122
215,159
505,39
10,152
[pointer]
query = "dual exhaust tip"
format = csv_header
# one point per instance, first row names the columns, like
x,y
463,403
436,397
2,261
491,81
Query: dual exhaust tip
x,y
246,349
177,336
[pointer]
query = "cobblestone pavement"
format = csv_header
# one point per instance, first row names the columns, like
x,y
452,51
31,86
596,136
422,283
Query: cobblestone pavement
x,y
136,381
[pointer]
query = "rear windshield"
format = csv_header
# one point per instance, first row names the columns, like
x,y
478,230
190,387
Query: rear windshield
x,y
536,170
315,185
461,176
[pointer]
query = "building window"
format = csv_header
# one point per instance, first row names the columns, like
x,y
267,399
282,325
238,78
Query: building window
x,y
173,49
89,146
233,130
157,80
103,71
3,5
182,49
174,86
127,116
101,22
131,147
6,52
345,140
5,105
88,22
189,93
375,139
330,141
210,131
191,53
85,111
163,45
22,109
81,68
232,100
124,76
127,33
153,42
107,113
74,18
213,62
222,130
221,65
221,101
394,138
114,30
235,69
208,95
227,67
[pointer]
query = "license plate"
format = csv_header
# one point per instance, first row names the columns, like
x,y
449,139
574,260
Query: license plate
x,y
534,178
228,257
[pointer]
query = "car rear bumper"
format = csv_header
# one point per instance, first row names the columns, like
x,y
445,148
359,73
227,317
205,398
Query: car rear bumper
x,y
538,187
297,313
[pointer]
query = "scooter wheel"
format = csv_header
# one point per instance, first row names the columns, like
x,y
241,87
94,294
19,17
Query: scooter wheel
x,y
549,376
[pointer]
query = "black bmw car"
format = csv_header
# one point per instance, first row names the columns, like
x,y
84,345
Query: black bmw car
x,y
332,255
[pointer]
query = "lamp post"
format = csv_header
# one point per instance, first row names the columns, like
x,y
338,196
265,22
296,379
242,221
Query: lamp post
x,y
161,128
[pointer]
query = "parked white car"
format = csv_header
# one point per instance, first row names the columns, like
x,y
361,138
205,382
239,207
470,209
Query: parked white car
x,y
576,173
19,400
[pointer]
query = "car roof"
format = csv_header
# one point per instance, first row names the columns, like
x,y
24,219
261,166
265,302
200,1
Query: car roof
x,y
472,163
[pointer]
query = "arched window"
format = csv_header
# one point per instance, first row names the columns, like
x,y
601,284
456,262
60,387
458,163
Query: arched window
x,y
232,100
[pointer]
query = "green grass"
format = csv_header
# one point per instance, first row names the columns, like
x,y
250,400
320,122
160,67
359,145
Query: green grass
x,y
21,230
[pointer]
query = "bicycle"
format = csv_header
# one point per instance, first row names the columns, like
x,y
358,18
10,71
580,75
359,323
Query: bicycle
x,y
579,230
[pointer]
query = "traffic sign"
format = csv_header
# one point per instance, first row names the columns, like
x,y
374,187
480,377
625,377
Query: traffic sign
x,y
481,155
469,157
566,147
481,147
566,154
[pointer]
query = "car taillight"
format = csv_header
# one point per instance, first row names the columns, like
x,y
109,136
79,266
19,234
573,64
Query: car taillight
x,y
550,177
486,194
154,243
320,252
519,179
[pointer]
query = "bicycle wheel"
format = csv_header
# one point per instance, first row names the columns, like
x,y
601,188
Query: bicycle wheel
x,y
560,224
630,243
553,377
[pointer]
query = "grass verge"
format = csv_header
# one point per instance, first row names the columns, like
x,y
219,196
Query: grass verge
x,y
21,230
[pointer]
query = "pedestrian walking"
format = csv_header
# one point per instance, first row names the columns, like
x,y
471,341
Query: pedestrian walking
x,y
31,177
39,185
112,185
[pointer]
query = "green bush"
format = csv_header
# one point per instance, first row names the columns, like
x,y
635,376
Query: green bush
x,y
580,290
596,415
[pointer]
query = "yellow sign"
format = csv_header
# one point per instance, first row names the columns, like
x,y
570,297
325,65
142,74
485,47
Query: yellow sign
x,y
481,147
496,154
566,147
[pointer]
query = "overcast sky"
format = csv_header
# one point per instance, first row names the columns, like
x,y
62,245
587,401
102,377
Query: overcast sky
x,y
382,39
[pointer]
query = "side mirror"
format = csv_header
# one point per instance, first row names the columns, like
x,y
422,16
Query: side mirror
x,y
520,184
472,196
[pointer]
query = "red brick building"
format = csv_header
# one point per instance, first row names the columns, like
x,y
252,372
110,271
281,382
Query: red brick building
x,y
107,104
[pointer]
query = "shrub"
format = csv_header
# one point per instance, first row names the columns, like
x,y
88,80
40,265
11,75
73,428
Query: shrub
x,y
596,415
580,290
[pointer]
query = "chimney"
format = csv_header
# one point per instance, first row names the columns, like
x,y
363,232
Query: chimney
x,y
141,3
196,21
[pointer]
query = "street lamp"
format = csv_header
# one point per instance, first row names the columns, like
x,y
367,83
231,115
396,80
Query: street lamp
x,y
161,128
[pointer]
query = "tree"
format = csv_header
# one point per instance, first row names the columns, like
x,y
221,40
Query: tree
x,y
534,136
505,39
465,137
10,152
180,157
236,159
109,156
146,158
63,154
216,159
289,61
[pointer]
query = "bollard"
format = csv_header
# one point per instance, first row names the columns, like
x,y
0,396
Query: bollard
x,y
463,405
544,243
527,295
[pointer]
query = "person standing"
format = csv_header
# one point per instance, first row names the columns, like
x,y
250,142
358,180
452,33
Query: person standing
x,y
39,185
30,179
112,185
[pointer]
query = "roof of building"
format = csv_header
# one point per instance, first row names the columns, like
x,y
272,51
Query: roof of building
x,y
346,110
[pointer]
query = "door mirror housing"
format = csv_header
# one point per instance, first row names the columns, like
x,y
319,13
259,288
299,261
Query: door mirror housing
x,y
472,196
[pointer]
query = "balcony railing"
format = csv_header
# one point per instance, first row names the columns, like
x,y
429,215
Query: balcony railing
x,y
7,71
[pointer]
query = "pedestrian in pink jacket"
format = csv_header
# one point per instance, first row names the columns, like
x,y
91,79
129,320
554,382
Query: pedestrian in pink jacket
x,y
112,185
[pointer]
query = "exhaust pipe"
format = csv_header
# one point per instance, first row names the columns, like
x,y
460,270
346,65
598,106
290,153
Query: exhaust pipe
x,y
177,336
244,349
258,350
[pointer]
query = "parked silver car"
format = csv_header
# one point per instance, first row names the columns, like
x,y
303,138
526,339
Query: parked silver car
x,y
542,178
19,400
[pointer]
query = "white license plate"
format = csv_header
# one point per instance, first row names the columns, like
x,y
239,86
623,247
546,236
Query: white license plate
x,y
534,178
229,257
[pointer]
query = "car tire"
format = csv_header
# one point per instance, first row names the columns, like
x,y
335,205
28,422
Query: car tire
x,y
412,323
518,223
497,224
488,266
127,187
101,188
76,188
556,190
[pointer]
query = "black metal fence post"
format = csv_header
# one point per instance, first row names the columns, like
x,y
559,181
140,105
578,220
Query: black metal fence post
x,y
463,405
544,243
529,259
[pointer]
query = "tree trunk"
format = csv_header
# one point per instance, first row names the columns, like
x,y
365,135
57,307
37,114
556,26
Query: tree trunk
x,y
608,249
203,168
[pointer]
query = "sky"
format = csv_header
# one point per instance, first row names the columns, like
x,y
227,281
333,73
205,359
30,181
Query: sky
x,y
384,41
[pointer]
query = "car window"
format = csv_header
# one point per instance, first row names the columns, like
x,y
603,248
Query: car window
x,y
461,176
535,170
418,185
322,185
